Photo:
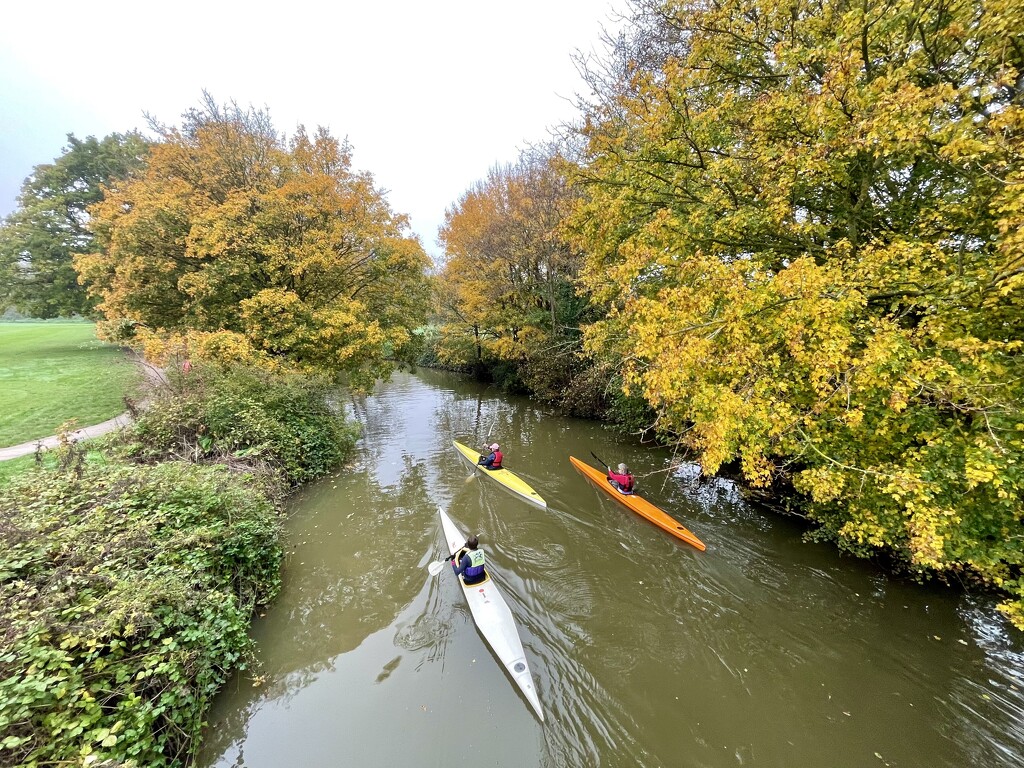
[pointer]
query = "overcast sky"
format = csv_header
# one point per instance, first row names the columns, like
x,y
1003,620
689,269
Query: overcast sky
x,y
430,94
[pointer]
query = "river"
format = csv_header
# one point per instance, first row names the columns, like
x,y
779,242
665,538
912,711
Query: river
x,y
763,650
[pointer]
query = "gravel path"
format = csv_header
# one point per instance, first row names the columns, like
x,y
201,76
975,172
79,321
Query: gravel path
x,y
95,430
154,376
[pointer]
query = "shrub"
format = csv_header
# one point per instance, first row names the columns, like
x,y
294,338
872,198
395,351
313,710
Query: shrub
x,y
126,595
282,421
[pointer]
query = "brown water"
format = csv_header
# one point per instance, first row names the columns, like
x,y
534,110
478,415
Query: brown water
x,y
762,651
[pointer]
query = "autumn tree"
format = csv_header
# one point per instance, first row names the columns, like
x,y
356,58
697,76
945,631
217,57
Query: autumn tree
x,y
805,223
506,291
37,241
237,245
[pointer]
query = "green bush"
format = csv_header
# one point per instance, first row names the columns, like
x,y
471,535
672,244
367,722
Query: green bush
x,y
282,421
126,595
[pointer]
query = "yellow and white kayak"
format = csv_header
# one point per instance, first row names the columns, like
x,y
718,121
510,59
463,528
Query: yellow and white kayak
x,y
512,482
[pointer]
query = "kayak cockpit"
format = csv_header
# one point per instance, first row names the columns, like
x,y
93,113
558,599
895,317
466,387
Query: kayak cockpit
x,y
462,578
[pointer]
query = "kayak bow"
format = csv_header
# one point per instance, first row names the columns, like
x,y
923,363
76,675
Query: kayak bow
x,y
638,504
512,482
494,620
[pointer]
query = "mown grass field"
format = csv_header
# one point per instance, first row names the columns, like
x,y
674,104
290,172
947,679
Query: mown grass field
x,y
12,467
53,372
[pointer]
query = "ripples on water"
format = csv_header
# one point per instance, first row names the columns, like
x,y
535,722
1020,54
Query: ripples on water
x,y
763,650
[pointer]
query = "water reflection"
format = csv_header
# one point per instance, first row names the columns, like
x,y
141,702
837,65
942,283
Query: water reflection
x,y
763,650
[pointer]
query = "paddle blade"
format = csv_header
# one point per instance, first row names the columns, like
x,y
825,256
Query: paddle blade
x,y
435,568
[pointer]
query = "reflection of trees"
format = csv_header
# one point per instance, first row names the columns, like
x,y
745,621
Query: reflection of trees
x,y
345,579
469,416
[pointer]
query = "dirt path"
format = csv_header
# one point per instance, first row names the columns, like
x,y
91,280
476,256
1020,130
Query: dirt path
x,y
153,376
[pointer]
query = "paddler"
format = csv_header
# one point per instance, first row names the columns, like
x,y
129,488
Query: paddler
x,y
471,565
622,480
493,461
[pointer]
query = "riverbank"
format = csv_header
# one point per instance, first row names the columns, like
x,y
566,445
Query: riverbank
x,y
130,579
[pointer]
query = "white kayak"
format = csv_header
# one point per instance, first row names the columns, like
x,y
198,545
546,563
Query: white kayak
x,y
494,620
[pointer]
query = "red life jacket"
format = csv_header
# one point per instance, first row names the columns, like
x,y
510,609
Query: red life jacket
x,y
625,481
497,460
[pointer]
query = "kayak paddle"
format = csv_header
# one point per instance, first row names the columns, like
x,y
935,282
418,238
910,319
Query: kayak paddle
x,y
606,466
437,566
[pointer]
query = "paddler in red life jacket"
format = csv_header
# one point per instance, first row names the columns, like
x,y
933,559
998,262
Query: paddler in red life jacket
x,y
494,460
621,480
471,564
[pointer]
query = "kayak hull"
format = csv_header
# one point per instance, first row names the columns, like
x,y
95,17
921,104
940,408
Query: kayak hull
x,y
493,618
510,481
638,504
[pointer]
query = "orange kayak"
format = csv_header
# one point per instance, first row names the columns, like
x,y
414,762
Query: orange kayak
x,y
638,504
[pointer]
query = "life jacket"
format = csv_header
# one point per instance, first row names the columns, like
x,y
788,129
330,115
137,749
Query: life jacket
x,y
617,480
476,564
496,464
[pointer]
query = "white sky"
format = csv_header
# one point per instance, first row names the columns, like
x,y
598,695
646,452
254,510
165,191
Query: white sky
x,y
430,94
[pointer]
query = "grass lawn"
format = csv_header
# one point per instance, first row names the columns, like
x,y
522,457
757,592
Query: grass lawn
x,y
52,372
12,467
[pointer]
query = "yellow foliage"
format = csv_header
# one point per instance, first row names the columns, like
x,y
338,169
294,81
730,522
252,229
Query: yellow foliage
x,y
806,225
242,248
501,292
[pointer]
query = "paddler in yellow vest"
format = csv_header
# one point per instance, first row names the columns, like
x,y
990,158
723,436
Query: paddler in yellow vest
x,y
471,565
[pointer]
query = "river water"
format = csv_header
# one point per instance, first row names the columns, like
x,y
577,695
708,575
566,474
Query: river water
x,y
763,651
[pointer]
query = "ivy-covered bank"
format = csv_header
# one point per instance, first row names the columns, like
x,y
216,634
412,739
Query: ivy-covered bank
x,y
128,578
